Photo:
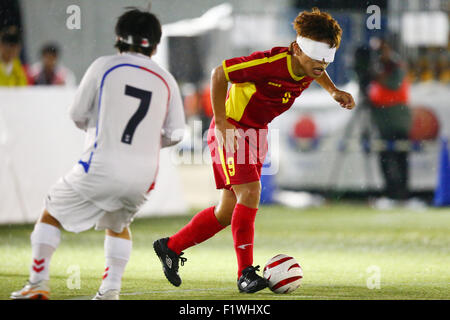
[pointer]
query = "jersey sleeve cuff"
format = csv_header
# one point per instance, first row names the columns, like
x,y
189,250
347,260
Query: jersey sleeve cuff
x,y
225,70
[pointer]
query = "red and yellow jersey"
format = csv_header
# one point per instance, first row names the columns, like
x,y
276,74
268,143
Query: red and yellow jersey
x,y
264,86
15,77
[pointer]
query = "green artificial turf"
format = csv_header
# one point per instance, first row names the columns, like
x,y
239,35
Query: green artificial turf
x,y
347,251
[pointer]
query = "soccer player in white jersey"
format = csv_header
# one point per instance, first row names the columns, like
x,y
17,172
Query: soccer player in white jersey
x,y
129,107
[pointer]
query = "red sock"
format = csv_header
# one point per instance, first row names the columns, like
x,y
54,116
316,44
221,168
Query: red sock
x,y
243,229
202,227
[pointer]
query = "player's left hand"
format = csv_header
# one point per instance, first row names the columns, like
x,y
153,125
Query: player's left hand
x,y
345,99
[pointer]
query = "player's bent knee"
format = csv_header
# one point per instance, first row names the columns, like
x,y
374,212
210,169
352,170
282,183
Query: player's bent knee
x,y
46,217
124,234
249,194
224,214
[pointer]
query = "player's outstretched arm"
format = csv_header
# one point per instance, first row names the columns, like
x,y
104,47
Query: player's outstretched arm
x,y
345,99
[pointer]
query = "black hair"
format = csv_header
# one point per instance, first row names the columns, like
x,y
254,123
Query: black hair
x,y
10,36
50,48
136,25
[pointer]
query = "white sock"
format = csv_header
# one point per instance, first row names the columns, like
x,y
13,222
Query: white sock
x,y
45,239
117,254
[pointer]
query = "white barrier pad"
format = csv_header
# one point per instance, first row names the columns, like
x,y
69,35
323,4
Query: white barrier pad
x,y
39,144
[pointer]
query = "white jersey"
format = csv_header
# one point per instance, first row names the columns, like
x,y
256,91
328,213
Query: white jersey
x,y
125,103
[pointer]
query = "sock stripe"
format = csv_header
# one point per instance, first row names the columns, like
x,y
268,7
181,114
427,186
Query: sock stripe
x,y
38,270
117,254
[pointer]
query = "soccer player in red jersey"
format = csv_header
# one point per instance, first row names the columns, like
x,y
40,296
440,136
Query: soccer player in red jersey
x,y
264,85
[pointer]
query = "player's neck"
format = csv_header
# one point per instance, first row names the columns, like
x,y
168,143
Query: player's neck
x,y
136,54
297,67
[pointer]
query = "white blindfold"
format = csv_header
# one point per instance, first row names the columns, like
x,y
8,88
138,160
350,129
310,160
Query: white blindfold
x,y
316,50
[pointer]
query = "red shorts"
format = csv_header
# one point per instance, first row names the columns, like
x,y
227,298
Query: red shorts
x,y
245,164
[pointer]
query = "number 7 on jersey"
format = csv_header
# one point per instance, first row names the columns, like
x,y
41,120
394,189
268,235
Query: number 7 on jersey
x,y
141,112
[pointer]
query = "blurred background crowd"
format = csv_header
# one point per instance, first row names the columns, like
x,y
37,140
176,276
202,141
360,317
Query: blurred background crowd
x,y
16,70
416,28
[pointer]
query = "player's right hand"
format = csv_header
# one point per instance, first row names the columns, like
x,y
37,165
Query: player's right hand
x,y
227,135
345,99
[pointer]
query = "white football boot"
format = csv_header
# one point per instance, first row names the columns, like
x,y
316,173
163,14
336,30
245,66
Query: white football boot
x,y
33,291
107,295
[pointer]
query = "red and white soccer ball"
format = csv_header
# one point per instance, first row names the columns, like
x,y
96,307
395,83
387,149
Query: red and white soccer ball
x,y
283,273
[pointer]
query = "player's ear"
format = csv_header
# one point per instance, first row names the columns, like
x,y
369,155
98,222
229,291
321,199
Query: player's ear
x,y
296,48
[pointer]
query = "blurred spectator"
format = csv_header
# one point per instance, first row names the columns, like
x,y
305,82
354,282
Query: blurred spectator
x,y
12,72
197,103
412,71
388,94
362,67
425,69
431,65
443,69
11,15
49,71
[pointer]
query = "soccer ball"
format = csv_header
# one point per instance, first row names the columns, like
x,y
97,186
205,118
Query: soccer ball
x,y
283,273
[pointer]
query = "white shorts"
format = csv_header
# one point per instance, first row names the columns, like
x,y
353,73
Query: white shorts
x,y
77,214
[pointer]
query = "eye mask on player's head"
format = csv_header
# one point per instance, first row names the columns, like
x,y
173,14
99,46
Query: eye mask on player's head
x,y
316,50
129,40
